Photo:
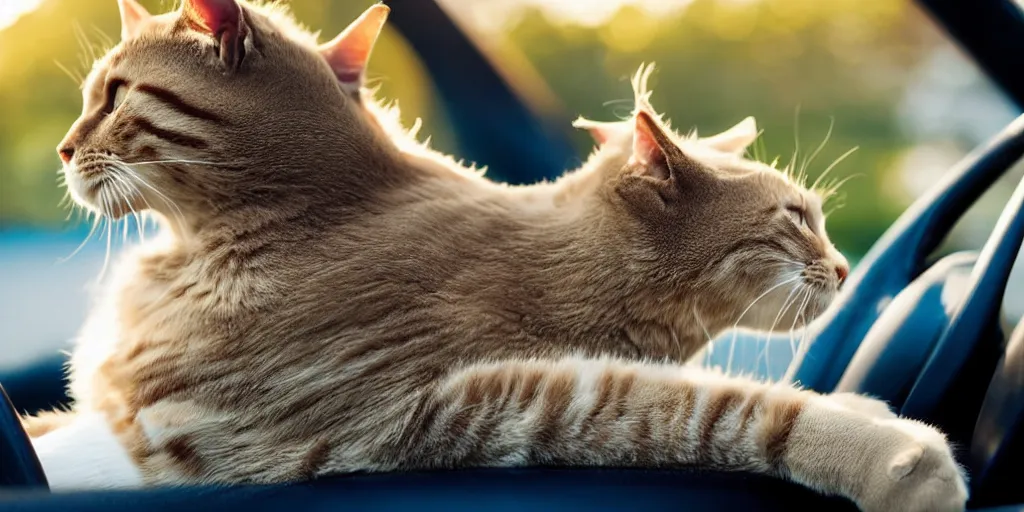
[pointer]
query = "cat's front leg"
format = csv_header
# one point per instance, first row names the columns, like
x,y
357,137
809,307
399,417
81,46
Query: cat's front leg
x,y
865,404
883,463
604,412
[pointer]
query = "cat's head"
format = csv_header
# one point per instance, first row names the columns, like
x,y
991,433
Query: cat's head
x,y
736,234
213,105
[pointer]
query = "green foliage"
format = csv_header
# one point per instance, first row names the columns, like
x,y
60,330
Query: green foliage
x,y
791,64
794,66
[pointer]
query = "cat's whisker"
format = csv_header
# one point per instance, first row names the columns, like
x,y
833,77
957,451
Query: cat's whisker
x,y
174,161
804,290
628,101
786,304
106,42
787,279
732,343
708,344
77,78
783,261
834,186
118,194
833,165
180,217
129,191
133,191
802,311
797,317
761,150
801,348
807,164
106,204
92,230
792,165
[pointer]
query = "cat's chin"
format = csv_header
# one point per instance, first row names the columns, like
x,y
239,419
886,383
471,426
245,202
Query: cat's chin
x,y
119,209
789,312
820,303
814,307
100,197
112,206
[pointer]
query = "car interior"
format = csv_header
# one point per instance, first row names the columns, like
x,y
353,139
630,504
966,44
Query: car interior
x,y
918,331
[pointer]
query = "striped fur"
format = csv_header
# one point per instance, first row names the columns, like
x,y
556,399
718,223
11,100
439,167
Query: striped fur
x,y
331,296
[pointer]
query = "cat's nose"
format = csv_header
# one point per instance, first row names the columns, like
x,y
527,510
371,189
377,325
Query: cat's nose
x,y
66,152
842,270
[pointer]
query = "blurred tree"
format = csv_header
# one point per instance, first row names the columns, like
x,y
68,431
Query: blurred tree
x,y
793,65
718,61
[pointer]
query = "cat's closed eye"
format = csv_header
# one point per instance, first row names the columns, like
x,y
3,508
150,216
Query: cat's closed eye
x,y
116,91
798,216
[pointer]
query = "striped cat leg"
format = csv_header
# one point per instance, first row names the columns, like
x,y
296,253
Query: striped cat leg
x,y
604,412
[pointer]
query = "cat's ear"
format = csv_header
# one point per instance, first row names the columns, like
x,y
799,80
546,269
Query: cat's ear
x,y
132,17
647,149
224,21
602,131
735,140
349,53
656,152
653,149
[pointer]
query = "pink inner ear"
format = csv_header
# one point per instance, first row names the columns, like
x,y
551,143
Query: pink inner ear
x,y
646,150
132,17
349,53
216,16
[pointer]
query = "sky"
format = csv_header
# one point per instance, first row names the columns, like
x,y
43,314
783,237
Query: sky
x,y
11,10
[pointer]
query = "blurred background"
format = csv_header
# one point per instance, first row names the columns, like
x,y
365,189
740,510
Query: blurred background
x,y
879,72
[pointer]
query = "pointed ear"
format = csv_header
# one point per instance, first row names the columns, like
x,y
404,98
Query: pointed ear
x,y
224,21
649,145
132,17
735,140
602,131
349,53
655,150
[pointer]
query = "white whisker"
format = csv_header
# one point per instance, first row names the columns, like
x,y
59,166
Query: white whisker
x,y
172,161
131,190
732,343
180,217
792,165
834,163
708,344
801,348
806,292
786,304
92,231
105,202
814,154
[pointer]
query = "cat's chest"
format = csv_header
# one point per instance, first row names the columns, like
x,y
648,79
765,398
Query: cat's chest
x,y
151,314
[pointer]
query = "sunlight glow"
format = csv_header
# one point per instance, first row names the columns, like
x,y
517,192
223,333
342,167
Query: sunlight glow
x,y
494,15
11,10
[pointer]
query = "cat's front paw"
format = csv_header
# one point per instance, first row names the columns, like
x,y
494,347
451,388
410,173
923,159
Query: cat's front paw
x,y
917,472
863,404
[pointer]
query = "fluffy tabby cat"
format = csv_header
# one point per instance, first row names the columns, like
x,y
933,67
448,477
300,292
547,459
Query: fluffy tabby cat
x,y
330,296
